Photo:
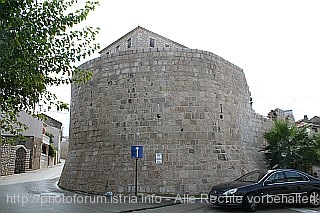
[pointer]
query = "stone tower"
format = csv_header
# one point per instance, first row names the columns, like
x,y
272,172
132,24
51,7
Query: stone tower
x,y
190,106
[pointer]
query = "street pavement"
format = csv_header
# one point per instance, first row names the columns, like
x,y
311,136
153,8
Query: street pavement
x,y
37,191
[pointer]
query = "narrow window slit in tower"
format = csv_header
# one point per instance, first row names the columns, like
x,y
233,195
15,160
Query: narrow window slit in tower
x,y
129,43
91,99
152,42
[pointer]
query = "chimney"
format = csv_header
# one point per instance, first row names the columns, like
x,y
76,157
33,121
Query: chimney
x,y
305,117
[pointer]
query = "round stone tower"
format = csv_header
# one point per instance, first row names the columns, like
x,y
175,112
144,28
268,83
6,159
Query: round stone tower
x,y
189,107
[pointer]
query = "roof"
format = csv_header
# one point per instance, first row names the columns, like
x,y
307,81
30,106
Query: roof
x,y
141,28
51,121
301,123
315,120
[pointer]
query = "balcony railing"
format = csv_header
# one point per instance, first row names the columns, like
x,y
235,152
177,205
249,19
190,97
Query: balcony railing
x,y
45,139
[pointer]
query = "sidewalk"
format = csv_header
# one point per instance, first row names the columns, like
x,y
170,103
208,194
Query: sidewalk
x,y
33,175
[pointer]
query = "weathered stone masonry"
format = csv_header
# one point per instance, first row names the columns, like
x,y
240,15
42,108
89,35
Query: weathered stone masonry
x,y
9,159
190,105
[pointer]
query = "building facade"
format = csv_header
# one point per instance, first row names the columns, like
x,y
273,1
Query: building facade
x,y
64,147
54,129
30,152
190,109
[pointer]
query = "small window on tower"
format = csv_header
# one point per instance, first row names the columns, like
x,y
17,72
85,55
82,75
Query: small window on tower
x,y
152,42
166,45
117,48
129,43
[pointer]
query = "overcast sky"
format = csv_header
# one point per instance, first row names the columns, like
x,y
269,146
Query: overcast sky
x,y
275,42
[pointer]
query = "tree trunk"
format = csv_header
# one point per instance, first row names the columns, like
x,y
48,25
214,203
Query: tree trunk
x,y
0,153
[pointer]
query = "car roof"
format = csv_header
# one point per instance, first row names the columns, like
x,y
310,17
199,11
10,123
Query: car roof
x,y
272,170
284,170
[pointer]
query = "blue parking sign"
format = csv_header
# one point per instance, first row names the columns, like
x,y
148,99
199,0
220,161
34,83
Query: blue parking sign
x,y
136,151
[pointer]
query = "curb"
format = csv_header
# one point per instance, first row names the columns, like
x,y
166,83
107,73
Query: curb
x,y
148,208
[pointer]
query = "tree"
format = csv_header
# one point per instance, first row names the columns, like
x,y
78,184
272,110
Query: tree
x,y
38,48
291,147
52,151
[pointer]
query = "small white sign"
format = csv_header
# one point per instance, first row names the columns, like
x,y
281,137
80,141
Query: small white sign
x,y
158,158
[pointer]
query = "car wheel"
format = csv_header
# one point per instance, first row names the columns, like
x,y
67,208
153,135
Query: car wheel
x,y
250,202
314,199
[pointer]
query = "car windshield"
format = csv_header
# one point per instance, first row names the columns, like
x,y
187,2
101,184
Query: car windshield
x,y
253,177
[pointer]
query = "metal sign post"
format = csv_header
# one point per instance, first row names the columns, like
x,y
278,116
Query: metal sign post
x,y
136,152
136,180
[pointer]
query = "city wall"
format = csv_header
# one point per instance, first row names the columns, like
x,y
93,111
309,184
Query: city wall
x,y
191,106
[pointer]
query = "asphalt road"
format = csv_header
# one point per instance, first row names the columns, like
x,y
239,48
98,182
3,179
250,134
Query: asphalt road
x,y
37,191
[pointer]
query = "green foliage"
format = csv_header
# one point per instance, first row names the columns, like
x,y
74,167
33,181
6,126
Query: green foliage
x,y
52,151
50,135
10,141
39,46
291,147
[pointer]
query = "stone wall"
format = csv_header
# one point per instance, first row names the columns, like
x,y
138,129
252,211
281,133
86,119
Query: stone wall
x,y
33,145
8,159
190,105
43,161
140,38
36,154
8,156
64,148
27,161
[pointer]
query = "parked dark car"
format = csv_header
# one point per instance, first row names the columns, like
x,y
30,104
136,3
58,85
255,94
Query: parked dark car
x,y
281,186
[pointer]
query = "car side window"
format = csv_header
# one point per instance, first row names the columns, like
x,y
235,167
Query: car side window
x,y
254,177
251,178
292,176
277,177
304,178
